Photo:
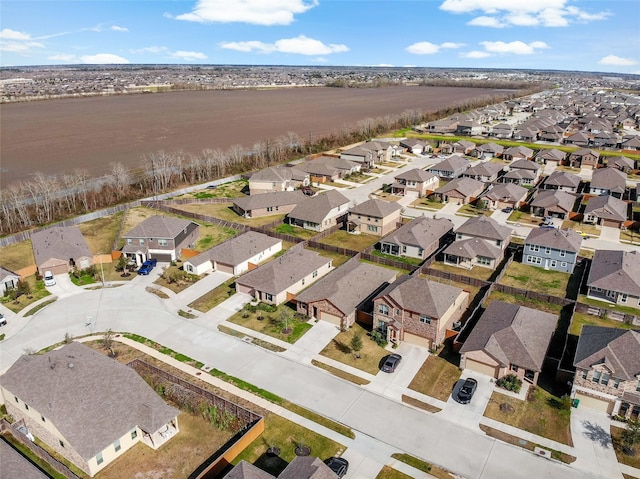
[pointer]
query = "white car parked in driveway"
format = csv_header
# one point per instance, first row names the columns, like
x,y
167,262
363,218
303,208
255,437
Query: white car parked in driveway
x,y
49,279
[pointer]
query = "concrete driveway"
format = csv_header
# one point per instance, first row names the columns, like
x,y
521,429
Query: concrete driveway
x,y
590,431
607,233
63,287
469,415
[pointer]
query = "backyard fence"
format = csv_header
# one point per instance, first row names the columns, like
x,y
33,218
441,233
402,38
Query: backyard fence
x,y
608,313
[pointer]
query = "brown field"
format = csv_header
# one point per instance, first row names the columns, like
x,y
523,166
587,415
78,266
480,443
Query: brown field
x,y
56,136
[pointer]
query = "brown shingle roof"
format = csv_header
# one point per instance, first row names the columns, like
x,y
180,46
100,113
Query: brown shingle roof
x,y
562,178
615,347
245,470
565,240
307,467
237,249
472,248
157,226
376,208
484,227
317,208
616,270
506,192
421,232
265,200
607,207
549,198
610,179
415,174
60,242
465,186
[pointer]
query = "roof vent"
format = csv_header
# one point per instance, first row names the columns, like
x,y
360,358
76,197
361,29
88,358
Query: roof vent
x,y
70,365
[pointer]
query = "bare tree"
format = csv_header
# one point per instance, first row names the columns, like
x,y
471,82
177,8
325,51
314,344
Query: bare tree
x,y
121,179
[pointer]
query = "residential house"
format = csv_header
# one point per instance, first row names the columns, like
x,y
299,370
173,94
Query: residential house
x,y
277,178
518,153
301,467
503,195
85,406
502,130
320,212
579,138
584,158
236,255
509,339
615,277
562,181
469,128
551,156
419,238
267,204
552,249
606,211
631,144
281,279
607,371
8,280
523,172
605,139
336,297
363,156
608,181
480,241
527,134
415,146
460,191
487,151
450,168
554,203
375,217
160,237
414,181
446,125
622,163
329,168
60,249
486,171
461,147
418,311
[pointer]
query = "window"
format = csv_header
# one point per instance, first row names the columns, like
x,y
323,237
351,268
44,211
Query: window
x,y
563,264
134,434
534,259
553,263
623,297
425,319
61,443
26,406
269,208
162,242
563,254
616,382
605,379
514,368
141,242
547,251
383,309
498,242
638,386
116,445
596,376
404,249
534,247
99,458
268,297
593,288
129,241
372,228
303,281
584,374
483,260
315,273
16,398
397,312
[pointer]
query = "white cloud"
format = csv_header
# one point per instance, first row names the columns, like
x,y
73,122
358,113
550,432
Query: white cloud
x,y
8,34
189,55
257,12
514,48
428,48
616,60
101,58
501,13
17,42
117,28
152,49
475,54
301,45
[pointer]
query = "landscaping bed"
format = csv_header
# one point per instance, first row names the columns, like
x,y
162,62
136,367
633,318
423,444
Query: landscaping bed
x,y
176,279
370,356
436,378
281,322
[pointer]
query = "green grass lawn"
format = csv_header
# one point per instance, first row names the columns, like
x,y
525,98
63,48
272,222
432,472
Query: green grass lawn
x,y
475,272
217,295
225,213
101,233
18,255
524,218
273,323
232,189
532,278
583,319
358,178
342,239
288,229
390,473
212,235
340,373
336,258
606,305
340,349
586,228
436,378
38,291
521,300
473,211
401,259
429,203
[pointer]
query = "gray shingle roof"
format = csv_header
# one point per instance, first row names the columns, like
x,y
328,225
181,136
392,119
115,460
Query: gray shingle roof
x,y
610,179
484,227
61,242
485,168
562,178
519,150
237,249
453,163
607,207
307,467
317,208
524,165
472,248
512,334
549,198
552,154
566,240
616,270
415,174
279,173
506,192
245,470
421,231
15,465
279,274
465,186
157,226
348,286
327,165
615,347
90,398
264,200
376,208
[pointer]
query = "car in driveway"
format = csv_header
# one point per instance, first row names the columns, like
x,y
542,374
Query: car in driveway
x,y
391,363
338,465
507,209
467,390
49,279
147,266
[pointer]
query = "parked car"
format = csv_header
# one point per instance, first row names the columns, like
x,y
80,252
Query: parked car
x,y
338,465
3,322
507,209
391,363
582,233
466,391
147,266
211,187
546,225
49,278
307,190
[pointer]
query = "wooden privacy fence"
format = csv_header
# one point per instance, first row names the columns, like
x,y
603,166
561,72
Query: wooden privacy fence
x,y
609,313
534,295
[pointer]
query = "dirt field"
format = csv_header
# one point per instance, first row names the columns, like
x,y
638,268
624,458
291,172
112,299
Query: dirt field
x,y
61,135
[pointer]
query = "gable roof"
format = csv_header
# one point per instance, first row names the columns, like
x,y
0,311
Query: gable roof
x,y
453,163
512,334
279,173
279,274
60,242
519,150
491,148
422,296
327,165
348,286
463,185
307,467
237,249
7,273
90,398
158,226
317,208
549,198
524,164
506,192
485,168
563,178
421,231
274,198
551,154
376,208
246,470
614,347
565,240
415,174
607,207
610,179
621,161
472,248
616,270
579,153
485,227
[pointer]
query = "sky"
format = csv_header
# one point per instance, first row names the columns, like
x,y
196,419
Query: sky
x,y
583,35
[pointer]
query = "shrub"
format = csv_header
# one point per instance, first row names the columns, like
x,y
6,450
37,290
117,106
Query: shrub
x,y
379,339
269,308
510,382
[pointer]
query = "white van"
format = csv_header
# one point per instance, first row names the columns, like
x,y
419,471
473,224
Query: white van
x,y
49,279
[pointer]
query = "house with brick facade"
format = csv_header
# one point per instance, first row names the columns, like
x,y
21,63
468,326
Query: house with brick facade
x,y
584,158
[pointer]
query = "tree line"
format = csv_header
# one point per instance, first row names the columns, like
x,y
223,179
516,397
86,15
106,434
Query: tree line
x,y
47,199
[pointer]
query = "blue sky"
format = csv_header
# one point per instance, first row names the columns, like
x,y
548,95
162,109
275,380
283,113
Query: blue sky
x,y
581,35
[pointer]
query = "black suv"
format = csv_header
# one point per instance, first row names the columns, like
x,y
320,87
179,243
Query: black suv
x,y
338,465
466,391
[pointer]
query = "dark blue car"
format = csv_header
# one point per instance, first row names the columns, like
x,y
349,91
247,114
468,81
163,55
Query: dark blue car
x,y
147,266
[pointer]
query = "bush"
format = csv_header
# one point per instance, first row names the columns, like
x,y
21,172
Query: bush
x,y
510,382
269,308
379,339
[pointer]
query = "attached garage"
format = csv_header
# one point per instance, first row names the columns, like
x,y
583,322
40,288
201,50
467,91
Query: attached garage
x,y
611,223
482,368
241,288
331,318
417,340
594,403
225,268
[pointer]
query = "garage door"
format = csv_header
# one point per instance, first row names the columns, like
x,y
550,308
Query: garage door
x,y
225,268
594,403
610,223
481,368
162,258
330,318
418,340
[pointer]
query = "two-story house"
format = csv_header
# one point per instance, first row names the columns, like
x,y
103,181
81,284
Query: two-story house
x,y
320,212
554,249
415,181
480,241
584,158
419,238
418,311
608,181
607,376
160,237
450,168
522,172
486,172
615,277
374,217
277,178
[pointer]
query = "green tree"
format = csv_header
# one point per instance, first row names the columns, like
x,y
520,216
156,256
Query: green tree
x,y
356,344
631,435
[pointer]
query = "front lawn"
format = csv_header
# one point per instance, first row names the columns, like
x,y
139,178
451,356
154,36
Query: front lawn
x,y
583,319
281,322
358,178
532,278
524,218
370,356
176,279
541,414
213,298
471,210
355,242
436,378
616,438
429,202
586,228
38,291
